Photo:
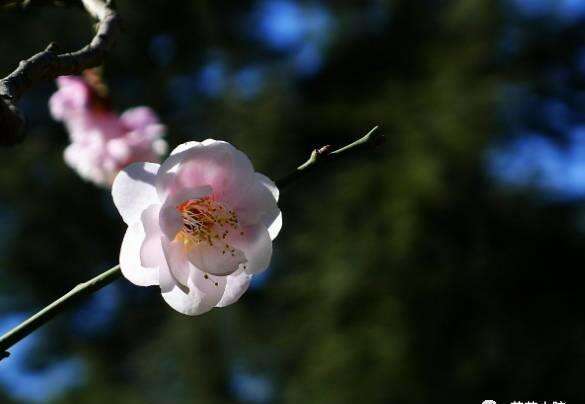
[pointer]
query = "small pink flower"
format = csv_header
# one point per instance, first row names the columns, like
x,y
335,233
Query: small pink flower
x,y
102,142
200,225
72,98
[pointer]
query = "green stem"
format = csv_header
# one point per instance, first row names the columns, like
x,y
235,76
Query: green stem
x,y
87,288
323,155
59,305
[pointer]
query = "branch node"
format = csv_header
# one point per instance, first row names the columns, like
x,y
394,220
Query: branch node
x,y
324,153
324,150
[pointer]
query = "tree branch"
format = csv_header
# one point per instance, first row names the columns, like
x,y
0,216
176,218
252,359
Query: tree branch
x,y
58,306
85,289
48,64
324,154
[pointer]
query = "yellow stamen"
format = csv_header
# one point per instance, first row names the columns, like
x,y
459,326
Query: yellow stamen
x,y
205,221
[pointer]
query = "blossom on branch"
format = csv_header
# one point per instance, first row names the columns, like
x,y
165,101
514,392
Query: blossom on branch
x,y
200,225
102,143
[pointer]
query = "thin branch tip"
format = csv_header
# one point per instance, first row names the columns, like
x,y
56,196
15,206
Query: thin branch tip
x,y
324,153
378,137
373,133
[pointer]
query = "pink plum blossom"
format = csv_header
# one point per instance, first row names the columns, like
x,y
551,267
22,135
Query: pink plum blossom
x,y
200,225
73,97
102,143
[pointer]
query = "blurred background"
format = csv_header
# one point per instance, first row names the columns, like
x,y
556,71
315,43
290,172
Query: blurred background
x,y
446,266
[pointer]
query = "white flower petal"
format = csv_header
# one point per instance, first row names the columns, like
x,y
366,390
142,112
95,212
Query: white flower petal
x,y
200,296
177,261
185,146
216,259
217,164
187,194
237,283
269,184
273,222
185,300
211,286
133,190
166,280
167,174
257,247
130,263
254,203
151,254
171,221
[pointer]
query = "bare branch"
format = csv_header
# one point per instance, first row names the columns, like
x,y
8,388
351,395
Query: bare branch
x,y
58,306
49,64
325,154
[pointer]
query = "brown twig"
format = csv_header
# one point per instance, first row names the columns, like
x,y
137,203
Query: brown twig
x,y
49,64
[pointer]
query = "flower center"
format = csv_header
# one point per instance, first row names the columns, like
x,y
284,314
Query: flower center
x,y
207,221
